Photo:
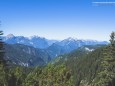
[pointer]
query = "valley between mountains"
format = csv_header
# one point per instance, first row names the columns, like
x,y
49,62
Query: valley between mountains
x,y
38,51
70,62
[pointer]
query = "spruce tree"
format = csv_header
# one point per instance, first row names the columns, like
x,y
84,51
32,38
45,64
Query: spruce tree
x,y
112,39
3,74
112,45
1,49
106,77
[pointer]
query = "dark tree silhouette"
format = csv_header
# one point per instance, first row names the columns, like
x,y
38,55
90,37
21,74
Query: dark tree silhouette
x,y
2,51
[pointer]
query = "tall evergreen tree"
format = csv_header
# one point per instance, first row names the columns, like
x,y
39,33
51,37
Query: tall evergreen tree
x,y
112,40
1,49
3,74
106,76
112,45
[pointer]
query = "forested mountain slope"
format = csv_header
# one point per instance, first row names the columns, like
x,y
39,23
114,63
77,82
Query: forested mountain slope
x,y
91,68
77,53
29,56
26,55
96,68
54,47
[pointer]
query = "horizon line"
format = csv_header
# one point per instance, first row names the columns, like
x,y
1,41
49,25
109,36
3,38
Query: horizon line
x,y
54,38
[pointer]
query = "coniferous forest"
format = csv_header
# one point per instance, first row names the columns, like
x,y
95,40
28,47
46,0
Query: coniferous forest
x,y
78,68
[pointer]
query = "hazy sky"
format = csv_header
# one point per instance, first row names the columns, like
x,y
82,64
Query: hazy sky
x,y
58,19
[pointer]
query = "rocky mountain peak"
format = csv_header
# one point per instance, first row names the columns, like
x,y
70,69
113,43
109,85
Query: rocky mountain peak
x,y
10,36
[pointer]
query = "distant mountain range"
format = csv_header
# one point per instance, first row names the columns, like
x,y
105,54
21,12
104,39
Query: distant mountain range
x,y
34,41
31,51
42,43
54,47
29,56
79,52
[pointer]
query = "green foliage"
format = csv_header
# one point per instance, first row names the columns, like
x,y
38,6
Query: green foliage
x,y
84,65
26,55
112,40
106,76
50,76
1,50
79,68
3,76
95,68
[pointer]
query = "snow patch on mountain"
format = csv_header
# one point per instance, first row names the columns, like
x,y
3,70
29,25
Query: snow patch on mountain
x,y
87,49
43,43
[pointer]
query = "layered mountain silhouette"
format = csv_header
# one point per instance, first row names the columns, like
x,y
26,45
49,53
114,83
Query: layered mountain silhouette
x,y
34,50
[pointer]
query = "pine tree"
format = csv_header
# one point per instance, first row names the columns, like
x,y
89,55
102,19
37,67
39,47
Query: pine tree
x,y
106,76
112,40
112,45
3,75
1,49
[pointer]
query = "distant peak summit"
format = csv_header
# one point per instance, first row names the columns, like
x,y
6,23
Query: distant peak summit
x,y
36,36
10,36
71,39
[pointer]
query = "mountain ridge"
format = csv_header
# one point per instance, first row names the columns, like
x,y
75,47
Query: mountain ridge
x,y
42,42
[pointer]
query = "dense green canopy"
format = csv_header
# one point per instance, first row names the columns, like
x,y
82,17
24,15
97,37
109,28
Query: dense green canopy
x,y
80,68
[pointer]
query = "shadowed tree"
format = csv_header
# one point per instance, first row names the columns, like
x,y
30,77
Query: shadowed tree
x,y
106,76
3,74
1,49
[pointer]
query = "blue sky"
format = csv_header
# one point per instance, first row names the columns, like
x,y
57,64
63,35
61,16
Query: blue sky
x,y
58,19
